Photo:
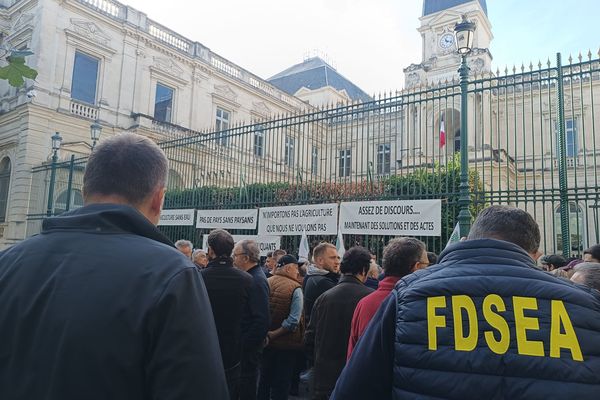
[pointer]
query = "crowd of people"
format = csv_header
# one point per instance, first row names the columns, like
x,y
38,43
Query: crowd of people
x,y
102,305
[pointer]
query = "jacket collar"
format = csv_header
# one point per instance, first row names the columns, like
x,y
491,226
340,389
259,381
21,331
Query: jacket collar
x,y
388,283
220,262
105,218
350,279
485,251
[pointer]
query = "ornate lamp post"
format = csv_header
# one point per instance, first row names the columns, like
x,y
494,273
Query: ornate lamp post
x,y
95,131
464,43
56,141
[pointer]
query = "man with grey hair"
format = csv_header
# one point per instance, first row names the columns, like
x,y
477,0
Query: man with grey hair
x,y
200,258
256,320
101,304
185,246
587,274
482,323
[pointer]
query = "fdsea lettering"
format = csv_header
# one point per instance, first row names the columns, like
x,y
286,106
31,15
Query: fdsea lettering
x,y
465,325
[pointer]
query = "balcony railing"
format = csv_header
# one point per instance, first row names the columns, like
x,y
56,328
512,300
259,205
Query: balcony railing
x,y
84,110
119,12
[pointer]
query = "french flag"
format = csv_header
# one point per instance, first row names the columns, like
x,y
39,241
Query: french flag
x,y
442,134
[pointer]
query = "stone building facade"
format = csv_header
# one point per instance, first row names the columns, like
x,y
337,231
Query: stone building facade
x,y
101,61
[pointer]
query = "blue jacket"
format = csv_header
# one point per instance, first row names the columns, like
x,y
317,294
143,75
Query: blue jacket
x,y
484,323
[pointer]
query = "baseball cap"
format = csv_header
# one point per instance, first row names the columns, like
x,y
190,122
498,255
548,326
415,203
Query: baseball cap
x,y
285,260
555,259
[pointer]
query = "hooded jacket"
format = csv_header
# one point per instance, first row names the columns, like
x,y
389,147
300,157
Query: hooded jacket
x,y
316,282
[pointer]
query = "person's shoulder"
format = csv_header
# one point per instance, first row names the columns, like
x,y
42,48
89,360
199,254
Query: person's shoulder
x,y
244,276
144,253
329,280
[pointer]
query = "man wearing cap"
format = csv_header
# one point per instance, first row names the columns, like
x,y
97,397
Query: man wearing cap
x,y
286,331
592,254
553,261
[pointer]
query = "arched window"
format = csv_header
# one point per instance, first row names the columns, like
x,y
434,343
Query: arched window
x,y
60,206
576,227
4,186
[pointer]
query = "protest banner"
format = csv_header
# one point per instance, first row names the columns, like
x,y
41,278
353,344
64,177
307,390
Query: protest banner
x,y
176,217
227,219
394,217
314,219
265,243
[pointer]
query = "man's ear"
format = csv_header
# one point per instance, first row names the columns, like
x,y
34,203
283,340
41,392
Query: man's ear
x,y
535,255
158,199
413,268
152,206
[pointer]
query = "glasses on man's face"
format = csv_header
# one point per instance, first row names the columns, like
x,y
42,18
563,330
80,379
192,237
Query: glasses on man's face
x,y
239,254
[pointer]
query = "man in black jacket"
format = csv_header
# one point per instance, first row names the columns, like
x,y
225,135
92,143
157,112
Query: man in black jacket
x,y
321,276
329,330
100,305
228,290
256,321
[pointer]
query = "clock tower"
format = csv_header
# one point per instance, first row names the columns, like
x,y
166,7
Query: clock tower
x,y
440,61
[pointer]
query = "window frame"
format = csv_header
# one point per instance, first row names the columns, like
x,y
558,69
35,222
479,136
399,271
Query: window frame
x,y
314,160
345,163
5,176
289,153
259,135
384,158
220,120
169,117
97,81
571,132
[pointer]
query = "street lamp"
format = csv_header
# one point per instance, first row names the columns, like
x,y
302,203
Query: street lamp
x,y
56,141
95,131
464,31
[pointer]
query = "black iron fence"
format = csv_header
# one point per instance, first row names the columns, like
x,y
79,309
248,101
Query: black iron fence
x,y
532,144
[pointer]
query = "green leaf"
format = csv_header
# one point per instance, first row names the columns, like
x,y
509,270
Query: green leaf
x,y
16,71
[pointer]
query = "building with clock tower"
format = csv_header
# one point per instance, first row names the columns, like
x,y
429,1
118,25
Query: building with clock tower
x,y
440,61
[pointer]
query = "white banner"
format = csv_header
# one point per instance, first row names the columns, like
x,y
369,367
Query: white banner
x,y
395,217
227,219
265,243
176,217
314,219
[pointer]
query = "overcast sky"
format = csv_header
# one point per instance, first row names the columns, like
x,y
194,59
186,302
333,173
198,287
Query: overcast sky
x,y
368,41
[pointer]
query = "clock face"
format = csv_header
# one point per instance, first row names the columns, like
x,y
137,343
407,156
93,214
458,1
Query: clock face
x,y
446,40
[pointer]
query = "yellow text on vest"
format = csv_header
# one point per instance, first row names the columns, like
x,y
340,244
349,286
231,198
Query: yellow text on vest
x,y
465,325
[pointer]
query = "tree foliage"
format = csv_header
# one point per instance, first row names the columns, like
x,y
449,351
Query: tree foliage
x,y
16,71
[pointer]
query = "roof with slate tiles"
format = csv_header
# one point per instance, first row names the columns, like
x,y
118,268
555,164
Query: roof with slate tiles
x,y
314,73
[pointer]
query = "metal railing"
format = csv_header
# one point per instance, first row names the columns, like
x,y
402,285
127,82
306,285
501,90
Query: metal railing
x,y
519,134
